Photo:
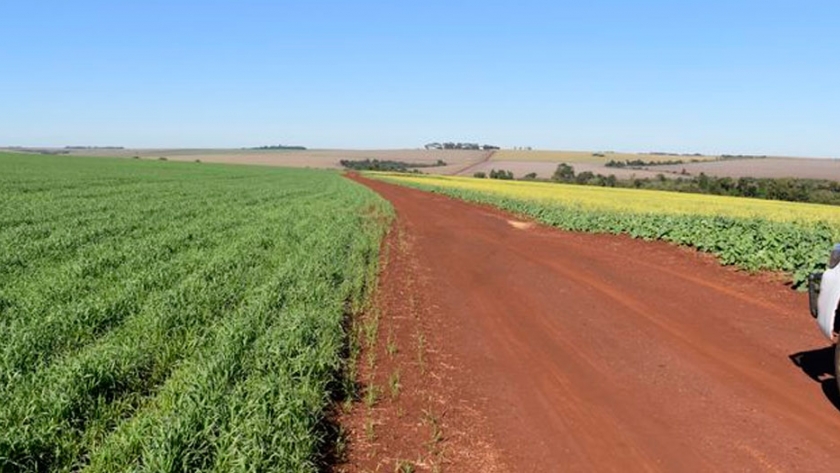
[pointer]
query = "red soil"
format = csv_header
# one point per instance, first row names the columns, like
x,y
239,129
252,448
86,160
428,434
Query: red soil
x,y
556,351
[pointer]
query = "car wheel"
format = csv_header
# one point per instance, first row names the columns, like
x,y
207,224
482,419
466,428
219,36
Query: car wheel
x,y
837,365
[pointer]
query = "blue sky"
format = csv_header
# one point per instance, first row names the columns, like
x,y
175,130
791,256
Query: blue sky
x,y
758,77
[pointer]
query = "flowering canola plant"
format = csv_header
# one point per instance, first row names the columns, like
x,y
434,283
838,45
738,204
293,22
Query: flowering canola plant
x,y
633,200
751,233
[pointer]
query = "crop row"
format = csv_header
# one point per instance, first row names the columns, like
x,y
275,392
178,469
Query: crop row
x,y
757,242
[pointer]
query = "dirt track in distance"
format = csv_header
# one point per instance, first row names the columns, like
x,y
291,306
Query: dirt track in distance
x,y
601,353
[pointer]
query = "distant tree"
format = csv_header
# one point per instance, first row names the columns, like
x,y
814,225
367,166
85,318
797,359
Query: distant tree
x,y
501,174
703,181
282,147
563,173
530,176
821,191
726,185
480,175
386,165
747,187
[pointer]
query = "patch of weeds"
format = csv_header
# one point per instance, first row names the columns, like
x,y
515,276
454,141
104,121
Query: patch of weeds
x,y
341,443
434,422
370,430
421,349
404,466
371,395
391,346
371,331
394,384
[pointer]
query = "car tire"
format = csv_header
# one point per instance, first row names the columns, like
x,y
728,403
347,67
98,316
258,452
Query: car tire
x,y
837,365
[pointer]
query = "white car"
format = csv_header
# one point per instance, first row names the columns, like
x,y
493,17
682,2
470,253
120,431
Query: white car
x,y
824,297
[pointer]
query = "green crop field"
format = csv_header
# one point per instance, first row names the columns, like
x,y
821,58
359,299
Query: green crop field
x,y
162,316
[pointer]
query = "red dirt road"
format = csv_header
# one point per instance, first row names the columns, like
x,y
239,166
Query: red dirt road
x,y
602,353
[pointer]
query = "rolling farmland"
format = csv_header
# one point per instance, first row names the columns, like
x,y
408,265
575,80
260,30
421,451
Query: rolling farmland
x,y
183,316
175,316
311,158
754,234
467,162
419,237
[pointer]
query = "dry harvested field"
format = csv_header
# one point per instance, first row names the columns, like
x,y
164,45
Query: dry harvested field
x,y
544,162
524,348
317,158
585,156
545,169
809,168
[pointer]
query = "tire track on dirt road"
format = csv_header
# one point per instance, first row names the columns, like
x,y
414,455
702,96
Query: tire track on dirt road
x,y
602,353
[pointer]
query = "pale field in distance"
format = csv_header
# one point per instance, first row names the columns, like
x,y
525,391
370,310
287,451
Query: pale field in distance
x,y
586,156
805,168
456,160
545,169
543,163
520,162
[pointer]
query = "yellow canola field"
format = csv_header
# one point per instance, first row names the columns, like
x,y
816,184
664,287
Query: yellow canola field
x,y
633,200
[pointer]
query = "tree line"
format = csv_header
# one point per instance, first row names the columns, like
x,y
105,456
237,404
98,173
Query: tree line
x,y
281,147
816,191
467,146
